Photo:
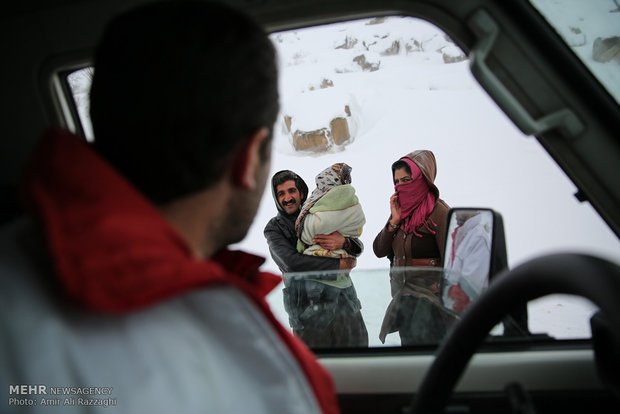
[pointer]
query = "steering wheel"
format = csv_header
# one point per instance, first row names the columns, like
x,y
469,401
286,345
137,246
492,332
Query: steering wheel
x,y
576,274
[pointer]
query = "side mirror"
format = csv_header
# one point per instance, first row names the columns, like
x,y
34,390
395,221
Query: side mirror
x,y
475,252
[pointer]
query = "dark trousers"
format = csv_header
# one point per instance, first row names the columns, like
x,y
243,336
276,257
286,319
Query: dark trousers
x,y
324,316
419,321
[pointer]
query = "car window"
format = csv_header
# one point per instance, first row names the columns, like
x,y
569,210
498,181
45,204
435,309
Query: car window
x,y
366,93
592,30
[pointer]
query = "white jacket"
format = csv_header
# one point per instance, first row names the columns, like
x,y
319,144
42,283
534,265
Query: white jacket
x,y
207,351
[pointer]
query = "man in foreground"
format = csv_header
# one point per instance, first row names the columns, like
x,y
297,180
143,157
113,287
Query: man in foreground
x,y
120,279
323,309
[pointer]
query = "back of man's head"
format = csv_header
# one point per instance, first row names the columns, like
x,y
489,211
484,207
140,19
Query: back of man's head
x,y
178,85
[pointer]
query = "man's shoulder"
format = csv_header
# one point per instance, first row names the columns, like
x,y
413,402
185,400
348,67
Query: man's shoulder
x,y
273,220
119,339
271,224
280,221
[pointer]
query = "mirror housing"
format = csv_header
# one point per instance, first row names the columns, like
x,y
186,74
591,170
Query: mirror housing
x,y
475,253
481,243
475,250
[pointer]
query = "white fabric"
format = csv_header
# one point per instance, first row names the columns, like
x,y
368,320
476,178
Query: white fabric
x,y
207,351
337,210
348,222
473,252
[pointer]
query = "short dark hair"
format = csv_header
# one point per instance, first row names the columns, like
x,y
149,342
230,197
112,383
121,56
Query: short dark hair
x,y
283,176
178,85
399,165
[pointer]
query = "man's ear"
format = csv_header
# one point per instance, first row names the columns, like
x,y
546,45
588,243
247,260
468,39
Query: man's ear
x,y
249,159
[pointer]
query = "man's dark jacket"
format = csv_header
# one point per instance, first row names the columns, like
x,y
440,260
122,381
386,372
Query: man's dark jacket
x,y
321,315
282,240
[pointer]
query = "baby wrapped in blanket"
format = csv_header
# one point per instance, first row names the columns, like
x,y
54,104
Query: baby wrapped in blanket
x,y
332,206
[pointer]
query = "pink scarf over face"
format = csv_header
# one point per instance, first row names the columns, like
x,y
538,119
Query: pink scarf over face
x,y
416,201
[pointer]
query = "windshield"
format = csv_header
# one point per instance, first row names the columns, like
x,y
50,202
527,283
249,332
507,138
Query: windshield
x,y
364,94
402,85
592,30
426,311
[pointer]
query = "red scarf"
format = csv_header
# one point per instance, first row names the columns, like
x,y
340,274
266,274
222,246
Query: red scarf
x,y
114,253
416,201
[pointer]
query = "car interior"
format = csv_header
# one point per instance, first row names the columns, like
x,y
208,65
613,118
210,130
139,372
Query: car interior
x,y
564,105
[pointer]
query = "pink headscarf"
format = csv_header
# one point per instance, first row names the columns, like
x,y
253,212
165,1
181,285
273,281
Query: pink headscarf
x,y
416,201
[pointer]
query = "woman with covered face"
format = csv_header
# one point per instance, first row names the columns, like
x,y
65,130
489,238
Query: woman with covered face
x,y
414,238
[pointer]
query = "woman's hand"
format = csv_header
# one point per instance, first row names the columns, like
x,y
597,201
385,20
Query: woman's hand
x,y
395,210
